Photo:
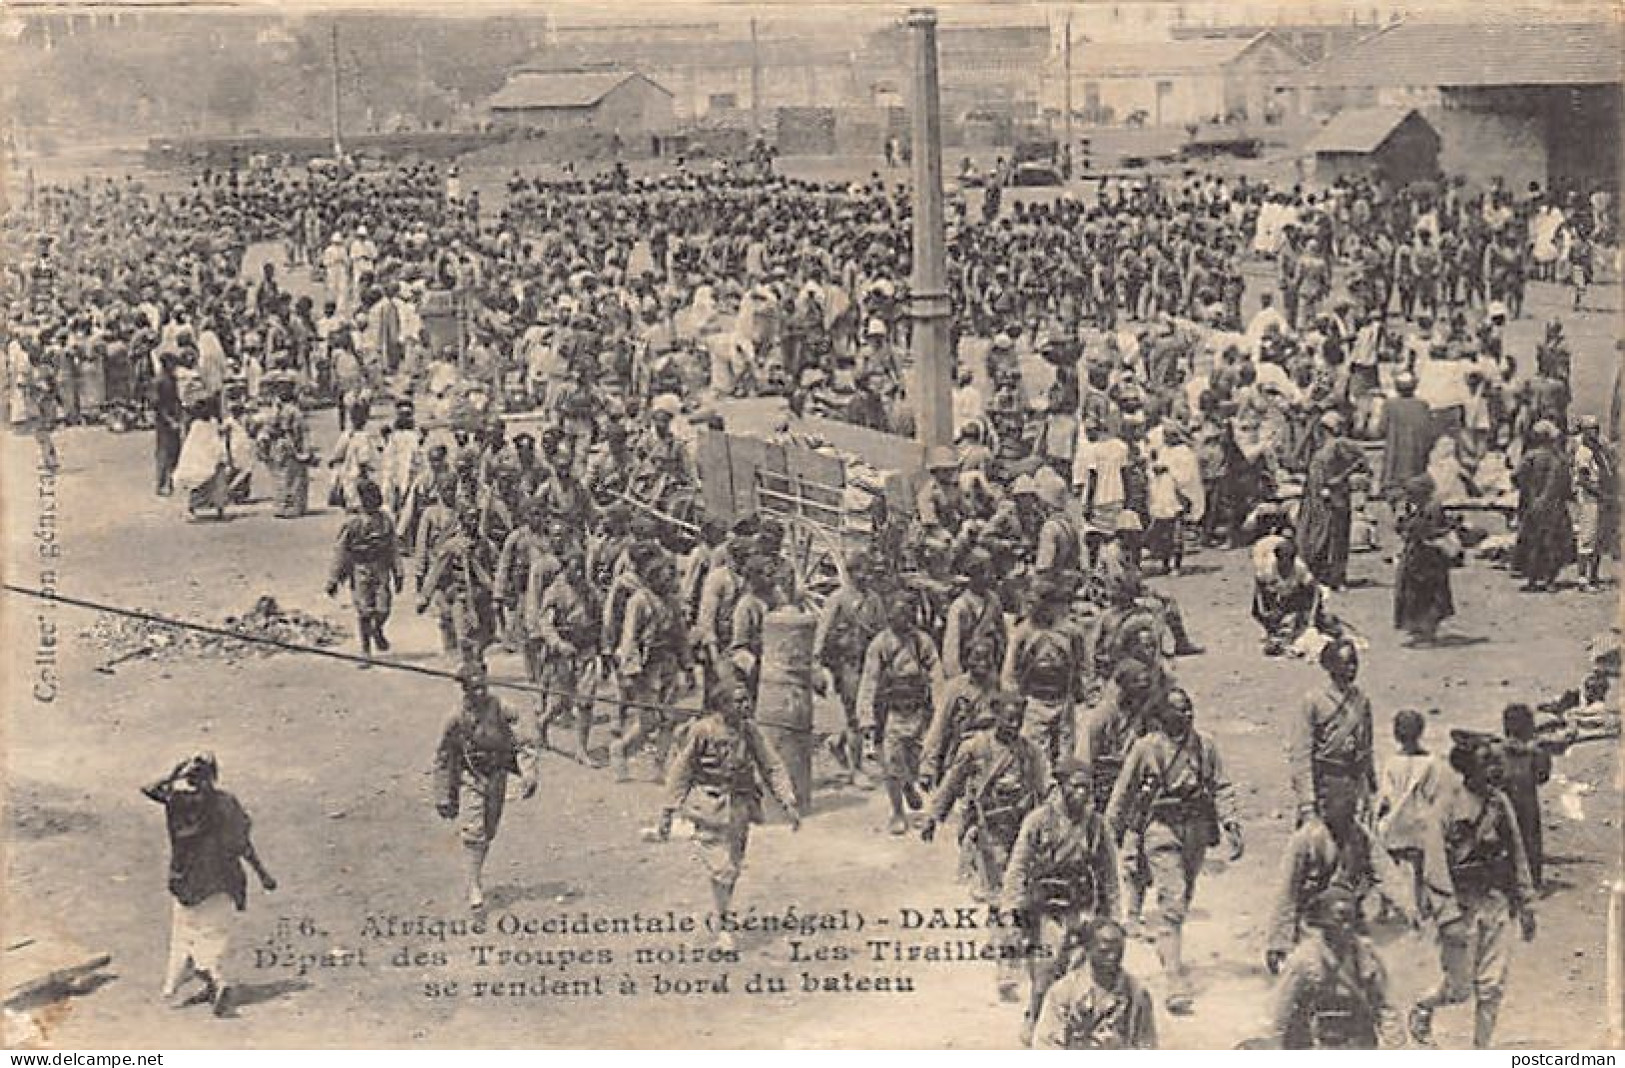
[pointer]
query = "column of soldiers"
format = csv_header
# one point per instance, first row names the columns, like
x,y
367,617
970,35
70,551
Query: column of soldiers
x,y
1089,800
532,543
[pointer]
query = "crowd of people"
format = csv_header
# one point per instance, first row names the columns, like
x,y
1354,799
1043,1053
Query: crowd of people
x,y
998,648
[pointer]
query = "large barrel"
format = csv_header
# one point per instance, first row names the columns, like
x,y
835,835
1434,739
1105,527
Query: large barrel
x,y
784,705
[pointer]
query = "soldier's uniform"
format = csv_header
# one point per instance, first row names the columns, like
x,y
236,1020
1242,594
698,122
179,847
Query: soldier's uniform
x,y
368,559
567,636
963,708
1060,550
1313,863
894,694
973,614
745,639
458,579
1000,784
851,619
1176,796
715,780
1046,665
1079,1013
479,748
1330,1000
713,623
1061,875
526,567
1489,887
1329,751
651,652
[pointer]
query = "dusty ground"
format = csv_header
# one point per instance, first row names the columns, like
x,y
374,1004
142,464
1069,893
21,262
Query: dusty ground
x,y
332,762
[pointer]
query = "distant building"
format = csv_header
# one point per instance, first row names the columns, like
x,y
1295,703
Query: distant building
x,y
710,76
1181,82
1394,146
614,101
1521,101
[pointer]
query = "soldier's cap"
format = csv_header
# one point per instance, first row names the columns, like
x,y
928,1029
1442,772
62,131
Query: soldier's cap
x,y
1003,343
666,404
1024,486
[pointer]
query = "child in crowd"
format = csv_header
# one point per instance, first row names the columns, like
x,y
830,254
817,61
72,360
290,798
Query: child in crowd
x,y
1528,766
1409,784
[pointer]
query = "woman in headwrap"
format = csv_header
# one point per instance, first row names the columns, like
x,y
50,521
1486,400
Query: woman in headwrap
x,y
1422,598
1545,533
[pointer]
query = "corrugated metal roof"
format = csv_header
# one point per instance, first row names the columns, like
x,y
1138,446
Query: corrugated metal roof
x,y
1482,54
533,89
1360,130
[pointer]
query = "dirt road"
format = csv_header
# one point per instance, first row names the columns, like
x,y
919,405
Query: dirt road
x,y
332,762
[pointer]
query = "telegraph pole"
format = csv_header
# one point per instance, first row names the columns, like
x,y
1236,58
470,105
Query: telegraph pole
x,y
928,300
755,82
1066,148
338,139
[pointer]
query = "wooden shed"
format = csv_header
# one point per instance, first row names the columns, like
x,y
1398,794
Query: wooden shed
x,y
1396,146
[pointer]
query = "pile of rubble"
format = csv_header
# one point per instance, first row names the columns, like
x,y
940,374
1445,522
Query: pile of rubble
x,y
125,638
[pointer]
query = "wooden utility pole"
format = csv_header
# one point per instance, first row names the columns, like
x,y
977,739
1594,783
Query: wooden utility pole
x,y
338,139
928,299
755,82
1066,95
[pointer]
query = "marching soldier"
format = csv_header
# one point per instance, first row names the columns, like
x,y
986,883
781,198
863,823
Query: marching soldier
x,y
651,653
851,618
481,745
1001,777
939,505
526,567
716,779
1329,749
368,559
567,641
977,613
1046,664
894,696
1167,809
1062,875
1125,711
964,707
459,580
1097,1005
1484,885
1333,992
1059,554
749,614
1313,864
719,593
